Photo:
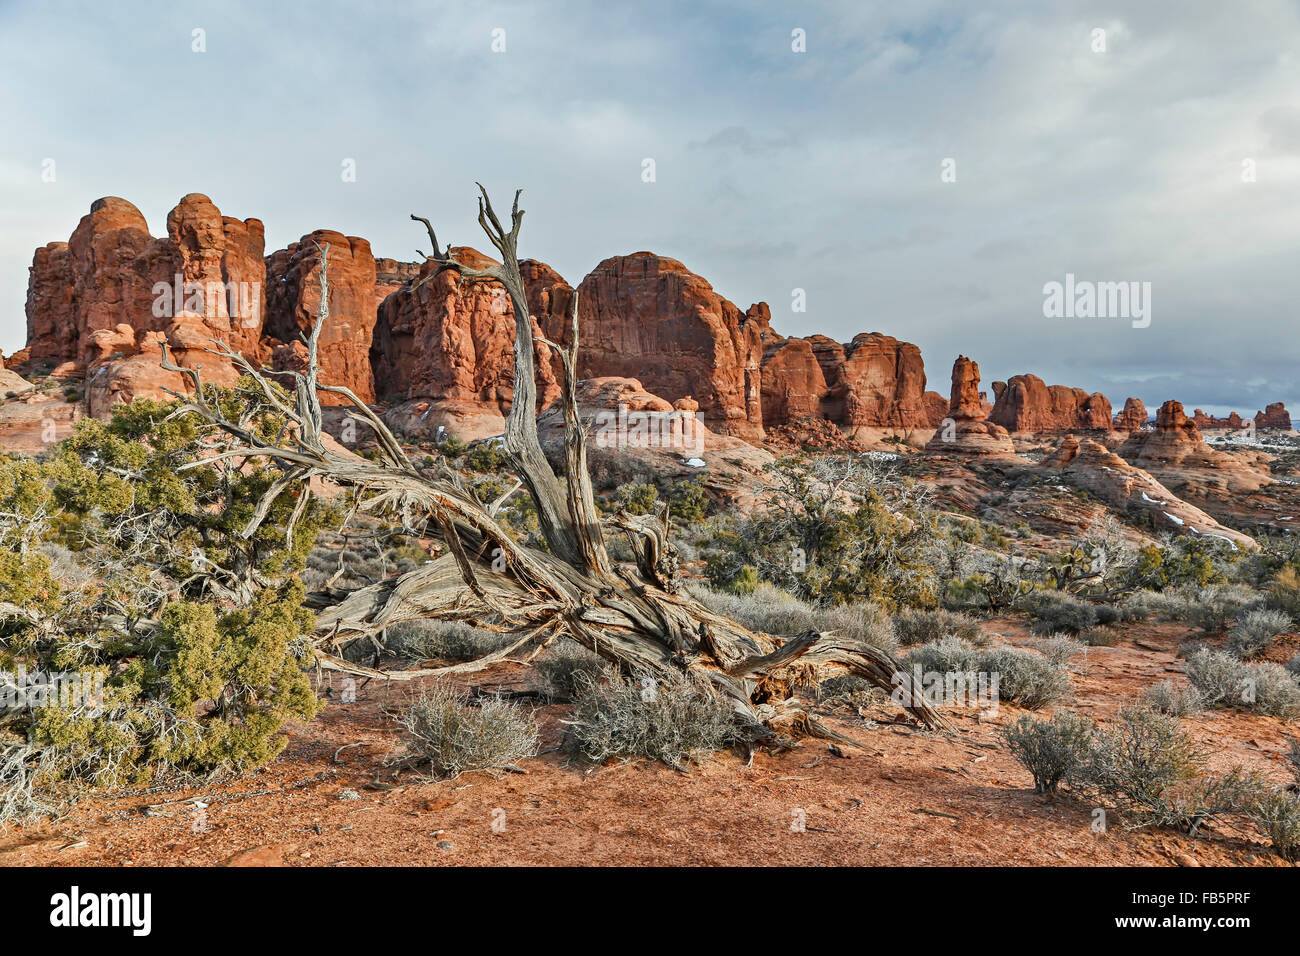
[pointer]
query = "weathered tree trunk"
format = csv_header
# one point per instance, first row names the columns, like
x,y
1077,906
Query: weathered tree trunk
x,y
637,617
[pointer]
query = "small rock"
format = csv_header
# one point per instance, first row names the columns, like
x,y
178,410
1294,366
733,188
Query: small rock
x,y
349,794
444,844
257,856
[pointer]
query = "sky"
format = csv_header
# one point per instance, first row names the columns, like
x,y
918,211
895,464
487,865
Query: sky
x,y
921,169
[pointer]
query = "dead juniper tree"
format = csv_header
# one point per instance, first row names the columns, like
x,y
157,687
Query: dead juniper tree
x,y
636,616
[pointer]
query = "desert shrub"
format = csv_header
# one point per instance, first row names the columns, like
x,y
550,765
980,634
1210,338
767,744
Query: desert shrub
x,y
1100,636
988,581
687,501
1108,614
745,581
1051,749
1293,665
913,626
964,594
1284,594
456,737
564,668
1177,700
1023,677
1214,608
23,770
1277,814
205,691
1276,691
637,498
834,530
773,611
1026,678
1189,805
487,456
1055,611
846,685
674,721
861,621
442,640
1219,677
452,446
767,609
1160,605
1060,649
163,592
1225,681
1193,561
1255,631
1138,757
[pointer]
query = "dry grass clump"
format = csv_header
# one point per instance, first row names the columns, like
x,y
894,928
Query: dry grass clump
x,y
456,737
674,722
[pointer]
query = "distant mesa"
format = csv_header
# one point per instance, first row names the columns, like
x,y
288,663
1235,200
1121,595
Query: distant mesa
x,y
1027,405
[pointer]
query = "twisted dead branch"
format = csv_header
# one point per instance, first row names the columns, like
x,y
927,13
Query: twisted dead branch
x,y
635,616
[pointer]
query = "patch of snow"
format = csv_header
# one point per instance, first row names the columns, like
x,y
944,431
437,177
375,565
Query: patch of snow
x,y
1146,497
694,462
1211,534
1175,519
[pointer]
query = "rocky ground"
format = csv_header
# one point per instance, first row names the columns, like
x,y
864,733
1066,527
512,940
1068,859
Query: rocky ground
x,y
907,797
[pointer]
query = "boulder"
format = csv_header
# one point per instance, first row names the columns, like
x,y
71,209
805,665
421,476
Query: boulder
x,y
870,387
443,351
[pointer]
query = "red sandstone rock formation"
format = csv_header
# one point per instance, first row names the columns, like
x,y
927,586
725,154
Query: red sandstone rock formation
x,y
293,301
1133,418
98,304
445,350
1204,422
1092,467
1178,456
873,384
391,275
1026,404
1273,416
966,431
650,317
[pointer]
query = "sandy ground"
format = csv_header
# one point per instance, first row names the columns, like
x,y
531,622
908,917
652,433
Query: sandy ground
x,y
913,797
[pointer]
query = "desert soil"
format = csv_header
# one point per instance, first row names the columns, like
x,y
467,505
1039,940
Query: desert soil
x,y
912,797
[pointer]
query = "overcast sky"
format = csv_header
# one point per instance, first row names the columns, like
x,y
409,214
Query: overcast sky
x,y
775,170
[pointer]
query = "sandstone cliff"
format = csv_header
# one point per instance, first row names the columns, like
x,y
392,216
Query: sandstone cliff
x,y
1026,404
